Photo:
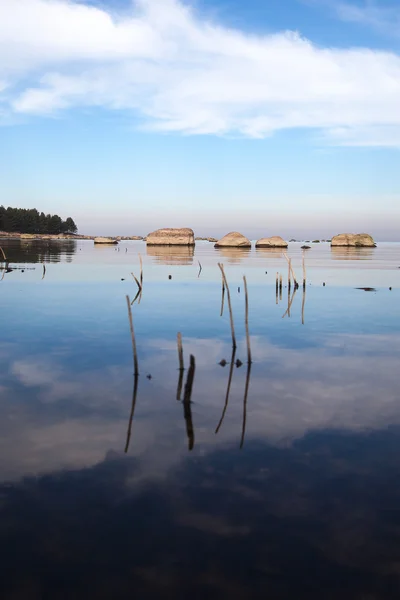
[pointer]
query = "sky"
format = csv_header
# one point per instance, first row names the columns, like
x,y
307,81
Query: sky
x,y
270,117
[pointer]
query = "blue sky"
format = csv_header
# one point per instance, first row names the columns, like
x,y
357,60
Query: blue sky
x,y
267,117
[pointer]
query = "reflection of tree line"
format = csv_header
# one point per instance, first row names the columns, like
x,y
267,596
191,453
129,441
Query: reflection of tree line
x,y
36,251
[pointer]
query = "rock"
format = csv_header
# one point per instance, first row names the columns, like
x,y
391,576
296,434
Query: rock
x,y
360,240
104,240
233,240
171,237
305,247
271,242
316,241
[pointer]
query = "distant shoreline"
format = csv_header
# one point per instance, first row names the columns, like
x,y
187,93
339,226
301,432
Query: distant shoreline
x,y
61,236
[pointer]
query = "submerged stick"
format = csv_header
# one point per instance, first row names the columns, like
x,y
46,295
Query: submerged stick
x,y
187,411
134,395
221,266
246,392
228,389
246,319
135,358
137,282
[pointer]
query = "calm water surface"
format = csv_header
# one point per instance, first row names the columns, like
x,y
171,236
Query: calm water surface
x,y
277,481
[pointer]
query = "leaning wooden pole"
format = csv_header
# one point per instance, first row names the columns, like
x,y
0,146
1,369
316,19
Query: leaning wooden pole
x,y
289,275
135,358
246,319
4,256
228,295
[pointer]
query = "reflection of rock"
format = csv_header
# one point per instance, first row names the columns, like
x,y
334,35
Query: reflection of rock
x,y
271,242
234,255
171,237
359,240
351,252
172,255
270,251
233,240
103,240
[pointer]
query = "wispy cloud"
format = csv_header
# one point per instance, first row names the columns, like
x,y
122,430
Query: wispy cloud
x,y
384,18
180,72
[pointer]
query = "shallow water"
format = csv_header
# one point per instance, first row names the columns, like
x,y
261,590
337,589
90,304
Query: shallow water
x,y
289,487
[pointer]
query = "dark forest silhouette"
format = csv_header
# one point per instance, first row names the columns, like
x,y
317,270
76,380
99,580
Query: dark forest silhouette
x,y
30,220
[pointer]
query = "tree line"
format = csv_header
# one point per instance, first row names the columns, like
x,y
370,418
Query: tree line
x,y
30,220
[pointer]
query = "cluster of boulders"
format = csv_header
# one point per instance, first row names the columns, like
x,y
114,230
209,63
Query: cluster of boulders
x,y
185,237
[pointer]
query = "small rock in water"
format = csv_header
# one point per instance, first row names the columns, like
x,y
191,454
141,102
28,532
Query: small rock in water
x,y
169,276
266,272
390,289
238,290
223,362
323,284
149,376
238,363
122,279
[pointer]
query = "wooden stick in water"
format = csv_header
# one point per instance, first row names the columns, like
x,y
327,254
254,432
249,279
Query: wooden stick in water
x,y
44,271
246,319
200,269
4,256
135,358
289,276
221,266
280,286
304,272
187,410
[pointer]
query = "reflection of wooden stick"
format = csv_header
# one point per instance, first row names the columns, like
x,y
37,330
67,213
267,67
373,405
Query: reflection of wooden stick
x,y
280,286
44,271
187,411
180,352
304,272
200,269
181,366
137,282
221,266
4,256
135,358
246,391
290,302
303,305
228,389
128,434
222,297
246,319
141,270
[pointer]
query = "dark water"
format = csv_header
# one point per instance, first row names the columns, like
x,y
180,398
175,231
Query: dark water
x,y
287,488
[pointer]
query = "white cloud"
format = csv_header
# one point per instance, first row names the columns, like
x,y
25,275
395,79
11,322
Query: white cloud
x,y
180,72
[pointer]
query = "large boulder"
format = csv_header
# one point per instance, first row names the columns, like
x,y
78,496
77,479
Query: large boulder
x,y
233,240
272,242
359,240
104,240
171,237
